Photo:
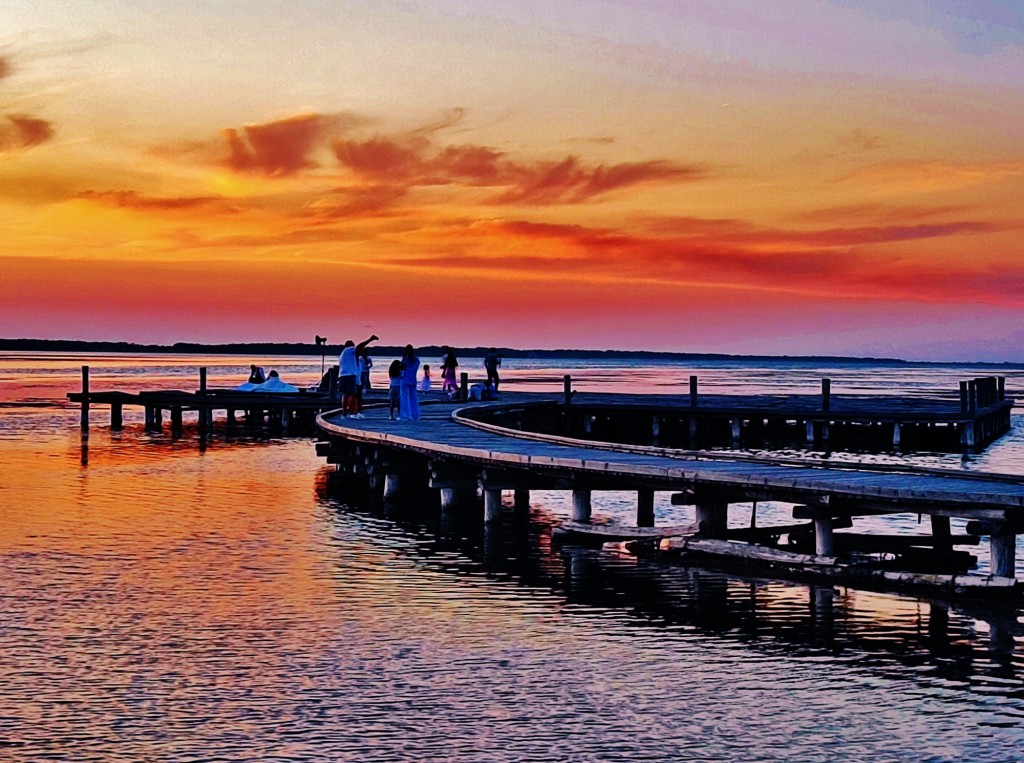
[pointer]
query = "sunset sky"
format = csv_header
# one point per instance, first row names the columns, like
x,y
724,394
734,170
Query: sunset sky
x,y
787,177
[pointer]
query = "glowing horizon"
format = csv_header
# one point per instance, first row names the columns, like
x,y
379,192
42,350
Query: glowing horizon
x,y
833,178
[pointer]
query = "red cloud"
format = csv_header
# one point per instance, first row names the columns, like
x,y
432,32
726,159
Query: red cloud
x,y
24,132
416,160
570,181
382,158
5,68
275,148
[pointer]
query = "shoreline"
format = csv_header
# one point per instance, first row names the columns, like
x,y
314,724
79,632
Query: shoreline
x,y
295,348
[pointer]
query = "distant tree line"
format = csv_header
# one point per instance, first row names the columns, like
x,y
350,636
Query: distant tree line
x,y
304,348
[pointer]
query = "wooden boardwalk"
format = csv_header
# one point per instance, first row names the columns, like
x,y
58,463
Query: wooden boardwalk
x,y
456,454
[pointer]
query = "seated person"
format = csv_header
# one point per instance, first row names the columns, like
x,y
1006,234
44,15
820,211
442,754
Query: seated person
x,y
256,375
274,384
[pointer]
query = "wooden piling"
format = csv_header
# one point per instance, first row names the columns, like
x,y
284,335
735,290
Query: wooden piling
x,y
941,534
522,499
116,416
712,518
492,504
392,487
693,391
85,399
464,386
824,539
567,389
645,508
1003,548
176,420
581,508
826,395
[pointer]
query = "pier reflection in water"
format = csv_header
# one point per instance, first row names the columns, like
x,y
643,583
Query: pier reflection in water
x,y
854,660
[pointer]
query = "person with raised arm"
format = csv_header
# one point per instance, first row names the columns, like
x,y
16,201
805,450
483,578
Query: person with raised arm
x,y
349,376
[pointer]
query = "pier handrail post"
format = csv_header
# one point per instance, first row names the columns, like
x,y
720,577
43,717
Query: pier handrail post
x,y
693,391
826,395
1001,387
85,399
464,386
202,380
964,397
972,395
567,388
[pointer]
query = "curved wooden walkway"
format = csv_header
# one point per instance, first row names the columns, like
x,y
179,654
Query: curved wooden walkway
x,y
860,488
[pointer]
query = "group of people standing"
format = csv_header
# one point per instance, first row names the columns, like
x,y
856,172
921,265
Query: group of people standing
x,y
403,378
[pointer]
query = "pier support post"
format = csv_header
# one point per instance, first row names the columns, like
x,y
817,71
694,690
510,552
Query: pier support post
x,y
522,499
655,430
967,435
737,430
392,486
1003,548
375,487
567,389
492,503
824,539
896,435
116,416
581,508
693,391
176,423
692,432
645,508
464,386
809,426
154,418
826,395
713,519
942,537
457,493
85,399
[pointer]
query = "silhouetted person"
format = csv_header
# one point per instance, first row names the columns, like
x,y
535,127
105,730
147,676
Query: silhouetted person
x,y
491,362
448,365
256,375
409,407
349,377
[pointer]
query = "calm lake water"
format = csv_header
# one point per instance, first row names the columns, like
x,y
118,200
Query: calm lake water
x,y
172,599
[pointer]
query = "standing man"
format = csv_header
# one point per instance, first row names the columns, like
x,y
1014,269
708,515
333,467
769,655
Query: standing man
x,y
491,362
349,376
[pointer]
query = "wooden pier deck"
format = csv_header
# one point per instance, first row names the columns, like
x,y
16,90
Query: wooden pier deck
x,y
461,452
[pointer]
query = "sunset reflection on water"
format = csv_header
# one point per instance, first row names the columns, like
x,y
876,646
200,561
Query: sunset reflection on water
x,y
186,599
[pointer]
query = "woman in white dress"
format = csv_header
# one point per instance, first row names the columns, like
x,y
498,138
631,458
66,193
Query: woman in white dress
x,y
409,408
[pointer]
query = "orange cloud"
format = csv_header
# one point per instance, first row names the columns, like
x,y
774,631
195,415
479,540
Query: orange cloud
x,y
23,131
136,201
929,177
